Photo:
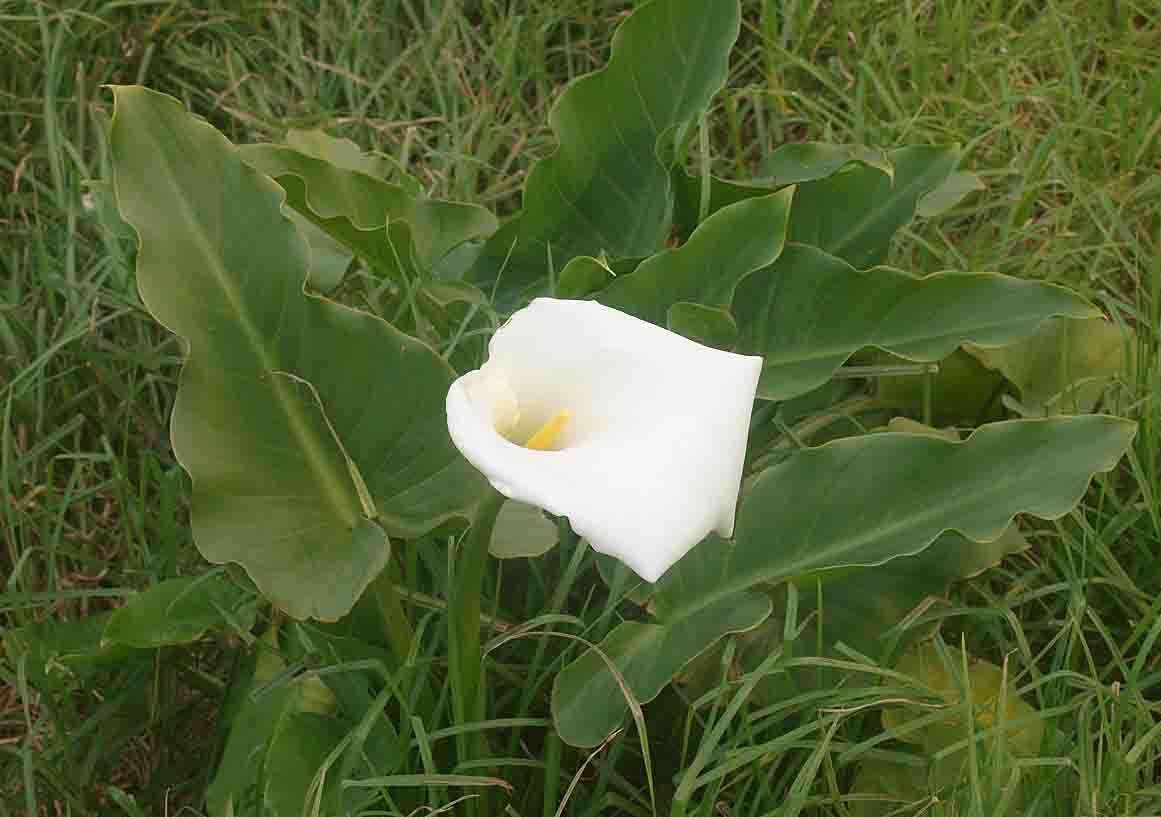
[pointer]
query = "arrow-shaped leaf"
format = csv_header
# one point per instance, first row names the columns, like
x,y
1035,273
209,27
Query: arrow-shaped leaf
x,y
290,415
604,189
809,311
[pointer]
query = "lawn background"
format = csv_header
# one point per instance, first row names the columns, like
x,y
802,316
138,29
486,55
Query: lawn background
x,y
1057,106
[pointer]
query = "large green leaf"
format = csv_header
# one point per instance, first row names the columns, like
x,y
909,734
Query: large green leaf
x,y
307,427
809,311
864,501
854,213
1067,365
861,607
179,611
605,188
587,701
727,247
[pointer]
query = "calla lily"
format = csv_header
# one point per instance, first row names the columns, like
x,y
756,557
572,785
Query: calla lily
x,y
634,433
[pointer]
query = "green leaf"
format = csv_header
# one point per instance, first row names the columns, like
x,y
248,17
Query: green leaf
x,y
582,276
883,788
1067,365
59,650
261,705
381,222
708,325
801,162
620,579
339,152
605,188
587,701
867,500
810,311
854,213
289,415
862,605
521,530
789,164
179,611
294,769
725,248
963,391
954,189
329,259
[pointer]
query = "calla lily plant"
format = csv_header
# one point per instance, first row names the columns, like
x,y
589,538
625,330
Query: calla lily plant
x,y
634,433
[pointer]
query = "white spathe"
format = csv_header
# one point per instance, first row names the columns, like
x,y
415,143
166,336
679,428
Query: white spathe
x,y
650,458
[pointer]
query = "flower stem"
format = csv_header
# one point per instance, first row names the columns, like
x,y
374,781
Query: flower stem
x,y
464,624
396,625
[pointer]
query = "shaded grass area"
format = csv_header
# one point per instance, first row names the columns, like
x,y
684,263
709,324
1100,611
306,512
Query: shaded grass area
x,y
1058,107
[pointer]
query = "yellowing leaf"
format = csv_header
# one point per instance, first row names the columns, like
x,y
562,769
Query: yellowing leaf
x,y
993,699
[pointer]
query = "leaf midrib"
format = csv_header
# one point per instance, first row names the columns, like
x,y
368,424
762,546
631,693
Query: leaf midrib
x,y
333,484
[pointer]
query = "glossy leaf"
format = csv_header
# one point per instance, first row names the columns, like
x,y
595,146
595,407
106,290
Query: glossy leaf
x,y
521,530
179,611
867,500
1066,365
854,213
728,246
298,462
810,311
605,188
587,702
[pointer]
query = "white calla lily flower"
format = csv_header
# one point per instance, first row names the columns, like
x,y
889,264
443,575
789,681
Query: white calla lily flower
x,y
633,432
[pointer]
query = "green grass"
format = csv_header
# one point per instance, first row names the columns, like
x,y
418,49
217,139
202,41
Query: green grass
x,y
1058,106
